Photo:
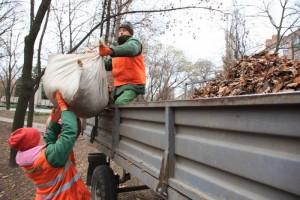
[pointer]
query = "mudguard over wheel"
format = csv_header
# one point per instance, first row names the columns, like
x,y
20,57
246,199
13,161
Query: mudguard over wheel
x,y
104,184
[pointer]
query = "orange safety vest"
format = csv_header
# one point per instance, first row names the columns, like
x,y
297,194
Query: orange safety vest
x,y
128,70
63,183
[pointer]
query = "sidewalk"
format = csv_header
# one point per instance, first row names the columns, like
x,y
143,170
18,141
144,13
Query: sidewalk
x,y
38,110
39,126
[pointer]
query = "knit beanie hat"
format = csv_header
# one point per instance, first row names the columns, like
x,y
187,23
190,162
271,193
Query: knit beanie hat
x,y
23,139
128,26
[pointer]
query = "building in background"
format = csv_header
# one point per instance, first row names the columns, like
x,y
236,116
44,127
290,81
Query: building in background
x,y
289,47
40,99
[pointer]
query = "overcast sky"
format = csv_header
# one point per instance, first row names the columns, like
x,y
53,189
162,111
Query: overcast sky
x,y
209,42
199,33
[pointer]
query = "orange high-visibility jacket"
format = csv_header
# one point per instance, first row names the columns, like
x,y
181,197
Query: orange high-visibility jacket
x,y
128,70
63,183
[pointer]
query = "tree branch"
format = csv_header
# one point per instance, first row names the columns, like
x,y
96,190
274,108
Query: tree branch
x,y
141,11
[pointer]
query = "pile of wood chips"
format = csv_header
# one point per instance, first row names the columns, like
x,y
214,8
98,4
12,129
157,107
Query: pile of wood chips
x,y
258,74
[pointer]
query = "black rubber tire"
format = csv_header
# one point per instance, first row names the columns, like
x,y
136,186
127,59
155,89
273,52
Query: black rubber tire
x,y
95,159
104,184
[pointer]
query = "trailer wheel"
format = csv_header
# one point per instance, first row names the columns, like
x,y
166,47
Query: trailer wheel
x,y
104,184
94,159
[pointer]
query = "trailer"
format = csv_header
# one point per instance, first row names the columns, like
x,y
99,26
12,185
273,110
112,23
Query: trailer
x,y
229,148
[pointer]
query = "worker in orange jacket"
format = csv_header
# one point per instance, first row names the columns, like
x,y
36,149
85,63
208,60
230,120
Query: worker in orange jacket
x,y
126,61
51,167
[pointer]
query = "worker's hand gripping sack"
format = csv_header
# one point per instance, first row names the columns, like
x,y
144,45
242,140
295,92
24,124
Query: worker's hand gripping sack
x,y
81,79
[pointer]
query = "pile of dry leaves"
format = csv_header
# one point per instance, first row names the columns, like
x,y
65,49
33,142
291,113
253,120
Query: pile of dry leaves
x,y
261,73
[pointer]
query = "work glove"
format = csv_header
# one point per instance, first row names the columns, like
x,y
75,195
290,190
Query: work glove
x,y
60,101
55,115
104,50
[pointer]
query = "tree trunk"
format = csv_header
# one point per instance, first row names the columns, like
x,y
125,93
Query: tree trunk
x,y
7,96
292,46
102,16
30,115
8,80
27,84
277,42
27,81
112,33
108,21
26,91
70,26
118,20
32,2
30,111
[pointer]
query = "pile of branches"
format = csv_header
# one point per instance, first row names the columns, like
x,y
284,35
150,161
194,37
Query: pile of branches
x,y
258,74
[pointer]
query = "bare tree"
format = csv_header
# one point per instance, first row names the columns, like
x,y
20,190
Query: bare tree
x,y
197,73
289,19
238,33
38,74
6,14
202,69
27,80
111,18
8,11
9,68
58,14
103,10
166,68
70,20
228,58
162,10
236,37
107,33
120,6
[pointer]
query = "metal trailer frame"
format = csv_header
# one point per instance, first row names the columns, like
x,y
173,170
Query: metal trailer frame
x,y
233,148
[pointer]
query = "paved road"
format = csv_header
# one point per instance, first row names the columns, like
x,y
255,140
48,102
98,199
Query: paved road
x,y
39,126
39,110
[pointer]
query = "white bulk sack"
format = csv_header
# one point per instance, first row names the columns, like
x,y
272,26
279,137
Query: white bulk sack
x,y
81,79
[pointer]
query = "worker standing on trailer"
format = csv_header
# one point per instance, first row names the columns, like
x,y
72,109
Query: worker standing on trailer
x,y
127,64
51,167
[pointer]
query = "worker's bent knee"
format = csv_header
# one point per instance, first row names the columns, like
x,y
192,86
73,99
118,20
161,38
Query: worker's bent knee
x,y
126,97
